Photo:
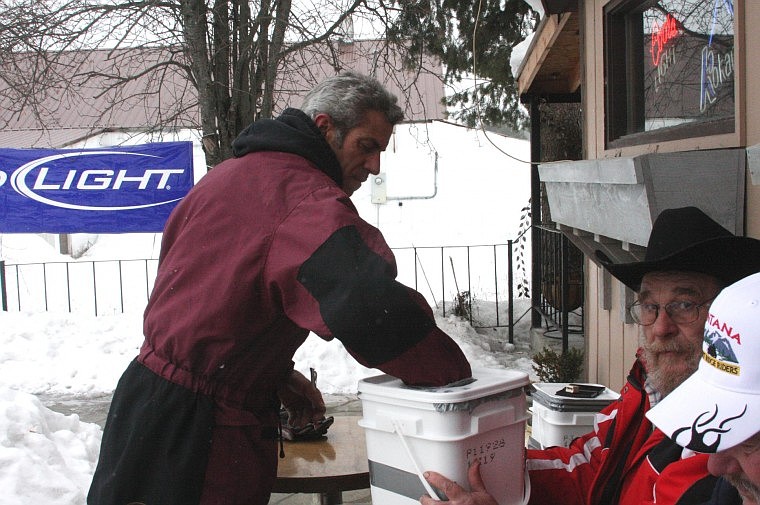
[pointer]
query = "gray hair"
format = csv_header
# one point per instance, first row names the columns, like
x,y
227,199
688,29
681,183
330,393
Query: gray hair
x,y
347,97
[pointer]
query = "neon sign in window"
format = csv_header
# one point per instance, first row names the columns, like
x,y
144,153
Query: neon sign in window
x,y
689,76
717,63
661,35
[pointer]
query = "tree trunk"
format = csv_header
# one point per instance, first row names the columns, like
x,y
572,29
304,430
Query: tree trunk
x,y
278,36
193,18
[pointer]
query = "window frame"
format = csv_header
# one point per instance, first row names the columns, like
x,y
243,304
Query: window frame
x,y
624,83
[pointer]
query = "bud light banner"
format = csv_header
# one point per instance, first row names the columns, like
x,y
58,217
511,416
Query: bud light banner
x,y
98,190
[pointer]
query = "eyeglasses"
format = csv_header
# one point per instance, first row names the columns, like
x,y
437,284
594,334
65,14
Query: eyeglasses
x,y
680,312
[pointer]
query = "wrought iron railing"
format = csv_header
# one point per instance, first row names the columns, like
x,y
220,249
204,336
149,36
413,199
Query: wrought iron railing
x,y
100,287
562,284
474,281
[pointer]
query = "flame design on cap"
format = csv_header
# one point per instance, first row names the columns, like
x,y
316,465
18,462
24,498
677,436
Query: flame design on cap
x,y
697,442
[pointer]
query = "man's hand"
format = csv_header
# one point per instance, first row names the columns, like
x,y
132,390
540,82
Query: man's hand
x,y
456,493
301,399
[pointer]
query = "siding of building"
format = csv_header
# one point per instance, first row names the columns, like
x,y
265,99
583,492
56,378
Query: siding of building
x,y
610,341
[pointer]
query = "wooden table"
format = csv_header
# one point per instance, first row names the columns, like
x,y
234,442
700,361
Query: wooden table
x,y
327,466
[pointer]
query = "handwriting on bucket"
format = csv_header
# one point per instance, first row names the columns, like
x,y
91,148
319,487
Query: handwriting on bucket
x,y
485,452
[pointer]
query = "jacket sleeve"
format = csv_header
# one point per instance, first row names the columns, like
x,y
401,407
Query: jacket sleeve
x,y
685,481
338,285
566,474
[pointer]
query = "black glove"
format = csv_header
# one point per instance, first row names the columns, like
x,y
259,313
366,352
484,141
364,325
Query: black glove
x,y
311,431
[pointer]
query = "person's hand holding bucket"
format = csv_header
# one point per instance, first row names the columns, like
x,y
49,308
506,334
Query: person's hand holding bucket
x,y
455,493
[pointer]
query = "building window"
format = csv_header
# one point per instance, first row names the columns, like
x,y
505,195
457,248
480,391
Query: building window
x,y
669,70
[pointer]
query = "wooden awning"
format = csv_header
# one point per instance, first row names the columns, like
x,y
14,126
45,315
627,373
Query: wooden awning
x,y
552,62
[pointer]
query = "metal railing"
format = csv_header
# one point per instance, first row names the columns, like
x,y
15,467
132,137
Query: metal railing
x,y
100,287
562,286
476,282
452,278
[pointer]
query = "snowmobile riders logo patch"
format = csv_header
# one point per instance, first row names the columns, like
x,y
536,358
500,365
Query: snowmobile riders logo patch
x,y
717,349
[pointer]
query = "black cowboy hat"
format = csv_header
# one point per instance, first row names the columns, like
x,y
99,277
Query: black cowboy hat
x,y
688,240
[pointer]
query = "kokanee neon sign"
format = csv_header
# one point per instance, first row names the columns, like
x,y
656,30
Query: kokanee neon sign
x,y
661,35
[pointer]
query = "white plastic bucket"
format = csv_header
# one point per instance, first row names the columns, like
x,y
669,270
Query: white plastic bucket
x,y
558,420
550,428
411,430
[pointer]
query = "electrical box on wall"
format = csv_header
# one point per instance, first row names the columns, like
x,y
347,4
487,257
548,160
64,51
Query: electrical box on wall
x,y
379,188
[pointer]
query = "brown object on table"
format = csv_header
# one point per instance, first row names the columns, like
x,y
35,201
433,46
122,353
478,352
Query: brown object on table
x,y
328,466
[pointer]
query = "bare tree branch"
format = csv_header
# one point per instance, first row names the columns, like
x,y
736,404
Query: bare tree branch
x,y
210,65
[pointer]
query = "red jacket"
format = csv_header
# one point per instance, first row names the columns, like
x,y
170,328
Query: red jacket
x,y
623,461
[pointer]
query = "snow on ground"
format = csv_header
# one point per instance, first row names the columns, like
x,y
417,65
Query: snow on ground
x,y
47,457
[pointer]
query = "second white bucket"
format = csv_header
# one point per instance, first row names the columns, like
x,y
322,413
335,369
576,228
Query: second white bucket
x,y
411,430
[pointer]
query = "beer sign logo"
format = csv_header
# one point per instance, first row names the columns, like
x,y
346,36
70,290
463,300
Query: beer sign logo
x,y
53,180
117,189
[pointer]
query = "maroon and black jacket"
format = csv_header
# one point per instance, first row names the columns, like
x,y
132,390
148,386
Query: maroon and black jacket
x,y
264,249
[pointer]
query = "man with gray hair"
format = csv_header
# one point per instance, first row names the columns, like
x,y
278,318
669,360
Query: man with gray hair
x,y
264,249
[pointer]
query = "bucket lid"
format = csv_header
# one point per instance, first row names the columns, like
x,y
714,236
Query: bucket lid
x,y
545,393
487,382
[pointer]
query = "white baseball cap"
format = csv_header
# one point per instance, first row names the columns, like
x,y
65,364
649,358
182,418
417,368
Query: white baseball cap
x,y
718,407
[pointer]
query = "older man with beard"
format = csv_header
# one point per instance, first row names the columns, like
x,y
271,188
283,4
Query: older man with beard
x,y
717,409
689,258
